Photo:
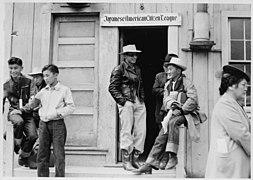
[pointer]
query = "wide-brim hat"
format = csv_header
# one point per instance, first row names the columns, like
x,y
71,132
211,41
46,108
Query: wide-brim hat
x,y
168,57
35,71
129,48
178,62
235,72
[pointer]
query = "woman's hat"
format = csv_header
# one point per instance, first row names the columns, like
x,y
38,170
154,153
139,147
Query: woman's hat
x,y
35,71
178,62
235,72
129,48
168,57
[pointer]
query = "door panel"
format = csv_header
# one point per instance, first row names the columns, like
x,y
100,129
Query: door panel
x,y
74,52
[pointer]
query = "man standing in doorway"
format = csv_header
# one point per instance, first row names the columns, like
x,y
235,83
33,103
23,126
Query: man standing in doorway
x,y
126,89
158,91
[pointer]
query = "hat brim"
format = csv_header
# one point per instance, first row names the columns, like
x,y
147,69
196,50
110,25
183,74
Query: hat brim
x,y
129,51
236,72
180,66
35,73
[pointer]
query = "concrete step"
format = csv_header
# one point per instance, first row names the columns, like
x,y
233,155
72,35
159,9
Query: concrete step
x,y
96,172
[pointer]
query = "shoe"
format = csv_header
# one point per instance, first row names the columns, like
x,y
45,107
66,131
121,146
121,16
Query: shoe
x,y
172,162
32,165
16,149
164,160
127,165
23,161
135,159
145,168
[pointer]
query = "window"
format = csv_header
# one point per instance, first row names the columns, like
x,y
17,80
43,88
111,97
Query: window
x,y
240,47
236,44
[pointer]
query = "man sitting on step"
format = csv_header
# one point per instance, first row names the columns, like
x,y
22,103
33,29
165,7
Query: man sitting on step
x,y
184,112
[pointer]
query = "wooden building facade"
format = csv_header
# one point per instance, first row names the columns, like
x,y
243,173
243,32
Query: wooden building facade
x,y
75,39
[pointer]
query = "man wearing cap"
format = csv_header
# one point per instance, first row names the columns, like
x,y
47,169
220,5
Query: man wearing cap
x,y
126,89
180,98
158,91
39,84
230,150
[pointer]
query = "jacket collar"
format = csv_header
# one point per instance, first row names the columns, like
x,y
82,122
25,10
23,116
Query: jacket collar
x,y
128,67
56,87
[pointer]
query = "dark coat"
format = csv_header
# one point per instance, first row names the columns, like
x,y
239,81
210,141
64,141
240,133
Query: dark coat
x,y
158,91
124,82
23,89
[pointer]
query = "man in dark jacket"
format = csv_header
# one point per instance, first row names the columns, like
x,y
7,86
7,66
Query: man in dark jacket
x,y
18,89
126,89
158,91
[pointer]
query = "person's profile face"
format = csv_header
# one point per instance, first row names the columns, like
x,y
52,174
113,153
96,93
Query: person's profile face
x,y
240,90
15,70
49,77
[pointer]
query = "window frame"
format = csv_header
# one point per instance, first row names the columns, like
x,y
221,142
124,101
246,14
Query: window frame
x,y
226,39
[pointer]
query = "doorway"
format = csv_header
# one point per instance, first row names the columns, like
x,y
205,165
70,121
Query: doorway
x,y
153,42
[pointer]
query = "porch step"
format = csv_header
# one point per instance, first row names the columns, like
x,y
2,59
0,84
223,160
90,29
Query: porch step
x,y
96,172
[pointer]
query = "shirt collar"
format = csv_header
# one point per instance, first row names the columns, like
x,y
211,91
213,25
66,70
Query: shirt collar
x,y
56,87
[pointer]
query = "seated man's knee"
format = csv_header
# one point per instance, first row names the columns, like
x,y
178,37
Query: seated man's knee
x,y
16,119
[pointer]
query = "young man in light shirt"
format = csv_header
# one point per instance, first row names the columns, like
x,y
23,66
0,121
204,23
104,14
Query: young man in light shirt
x,y
56,102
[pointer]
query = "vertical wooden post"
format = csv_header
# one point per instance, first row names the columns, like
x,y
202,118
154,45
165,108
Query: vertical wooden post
x,y
9,168
180,168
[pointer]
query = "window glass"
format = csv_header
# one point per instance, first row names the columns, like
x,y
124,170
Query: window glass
x,y
248,50
236,28
237,50
247,29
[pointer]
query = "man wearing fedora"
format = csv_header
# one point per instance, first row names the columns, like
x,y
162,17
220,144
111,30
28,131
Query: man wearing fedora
x,y
39,82
180,99
126,89
158,91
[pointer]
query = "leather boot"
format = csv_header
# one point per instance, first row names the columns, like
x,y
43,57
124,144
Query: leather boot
x,y
164,160
135,159
145,168
127,165
172,161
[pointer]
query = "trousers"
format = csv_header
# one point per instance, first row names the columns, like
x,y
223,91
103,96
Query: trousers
x,y
52,132
25,132
166,142
133,126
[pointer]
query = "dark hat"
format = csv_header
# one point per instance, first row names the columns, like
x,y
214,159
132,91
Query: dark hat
x,y
235,72
168,57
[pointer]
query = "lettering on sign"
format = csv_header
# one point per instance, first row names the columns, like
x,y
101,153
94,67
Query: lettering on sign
x,y
141,19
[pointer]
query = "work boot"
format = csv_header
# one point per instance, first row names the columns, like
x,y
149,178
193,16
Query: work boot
x,y
23,161
135,159
32,164
127,165
145,168
172,161
164,160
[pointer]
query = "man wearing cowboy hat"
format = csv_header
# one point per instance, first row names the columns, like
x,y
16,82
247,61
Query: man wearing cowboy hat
x,y
158,91
180,99
126,89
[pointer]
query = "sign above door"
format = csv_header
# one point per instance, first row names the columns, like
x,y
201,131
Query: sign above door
x,y
147,19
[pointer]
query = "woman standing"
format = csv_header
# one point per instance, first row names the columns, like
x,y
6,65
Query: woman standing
x,y
126,89
229,155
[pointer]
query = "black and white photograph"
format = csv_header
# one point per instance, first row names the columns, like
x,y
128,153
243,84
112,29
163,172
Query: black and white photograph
x,y
131,89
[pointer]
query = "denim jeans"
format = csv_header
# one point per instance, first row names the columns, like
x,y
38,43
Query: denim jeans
x,y
52,132
25,132
162,140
